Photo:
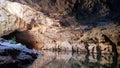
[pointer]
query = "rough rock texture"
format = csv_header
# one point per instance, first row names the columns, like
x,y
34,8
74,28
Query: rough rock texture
x,y
94,34
100,39
67,6
15,55
81,9
9,22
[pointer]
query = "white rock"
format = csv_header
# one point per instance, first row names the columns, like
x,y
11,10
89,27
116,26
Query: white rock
x,y
3,16
2,3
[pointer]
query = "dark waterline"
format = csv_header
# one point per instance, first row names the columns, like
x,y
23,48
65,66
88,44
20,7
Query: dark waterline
x,y
76,60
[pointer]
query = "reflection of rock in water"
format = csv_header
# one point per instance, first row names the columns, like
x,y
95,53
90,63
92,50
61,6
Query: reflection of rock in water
x,y
75,60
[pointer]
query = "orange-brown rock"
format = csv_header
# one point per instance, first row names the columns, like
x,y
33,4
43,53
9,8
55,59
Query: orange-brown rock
x,y
42,32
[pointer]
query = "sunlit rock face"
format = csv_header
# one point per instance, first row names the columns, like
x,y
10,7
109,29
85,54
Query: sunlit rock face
x,y
41,31
27,14
9,22
6,22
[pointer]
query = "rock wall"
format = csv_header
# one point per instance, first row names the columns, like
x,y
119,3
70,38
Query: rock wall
x,y
72,12
9,22
76,7
41,31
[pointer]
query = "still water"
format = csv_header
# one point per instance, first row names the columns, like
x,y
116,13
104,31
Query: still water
x,y
75,60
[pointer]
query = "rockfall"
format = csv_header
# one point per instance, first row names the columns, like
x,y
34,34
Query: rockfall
x,y
71,25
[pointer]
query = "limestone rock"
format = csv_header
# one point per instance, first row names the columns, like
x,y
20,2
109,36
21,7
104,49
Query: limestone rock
x,y
10,22
81,9
40,31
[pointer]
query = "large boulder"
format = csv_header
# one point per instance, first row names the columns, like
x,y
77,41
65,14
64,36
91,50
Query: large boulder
x,y
15,55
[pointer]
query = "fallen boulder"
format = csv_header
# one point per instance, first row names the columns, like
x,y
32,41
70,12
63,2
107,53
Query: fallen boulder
x,y
15,55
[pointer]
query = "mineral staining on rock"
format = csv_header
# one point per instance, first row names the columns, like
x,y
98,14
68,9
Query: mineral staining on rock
x,y
57,31
76,38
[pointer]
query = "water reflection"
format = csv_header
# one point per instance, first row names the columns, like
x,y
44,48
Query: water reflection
x,y
75,60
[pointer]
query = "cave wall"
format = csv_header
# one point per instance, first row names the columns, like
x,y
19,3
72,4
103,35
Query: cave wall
x,y
44,32
78,8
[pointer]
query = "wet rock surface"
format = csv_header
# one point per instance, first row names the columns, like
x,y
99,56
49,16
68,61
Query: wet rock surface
x,y
15,55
